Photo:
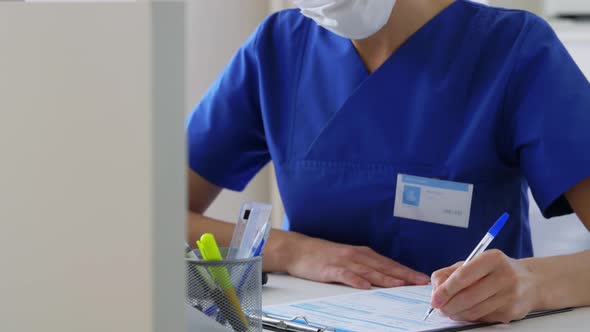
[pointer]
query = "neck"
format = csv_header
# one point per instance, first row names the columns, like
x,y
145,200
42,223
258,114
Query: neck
x,y
407,17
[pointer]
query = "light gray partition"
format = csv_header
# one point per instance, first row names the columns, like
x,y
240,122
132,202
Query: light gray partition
x,y
92,201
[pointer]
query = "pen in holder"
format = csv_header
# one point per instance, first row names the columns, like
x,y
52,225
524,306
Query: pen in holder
x,y
237,306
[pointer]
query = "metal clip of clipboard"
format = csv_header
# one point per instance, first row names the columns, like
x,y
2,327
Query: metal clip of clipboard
x,y
291,325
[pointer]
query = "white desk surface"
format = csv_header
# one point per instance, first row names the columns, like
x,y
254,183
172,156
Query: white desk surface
x,y
283,289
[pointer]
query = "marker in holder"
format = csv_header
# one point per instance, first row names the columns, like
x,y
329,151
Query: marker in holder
x,y
204,294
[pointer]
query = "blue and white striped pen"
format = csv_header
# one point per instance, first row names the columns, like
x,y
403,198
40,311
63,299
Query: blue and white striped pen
x,y
481,247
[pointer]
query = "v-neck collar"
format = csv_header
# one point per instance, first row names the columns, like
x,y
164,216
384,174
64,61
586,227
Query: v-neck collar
x,y
420,33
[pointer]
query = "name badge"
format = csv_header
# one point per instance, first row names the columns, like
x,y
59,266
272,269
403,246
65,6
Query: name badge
x,y
432,200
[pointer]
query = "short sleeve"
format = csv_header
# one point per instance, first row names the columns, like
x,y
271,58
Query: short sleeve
x,y
225,132
549,103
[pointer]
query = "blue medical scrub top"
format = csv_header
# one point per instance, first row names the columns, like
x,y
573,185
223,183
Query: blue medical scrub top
x,y
479,95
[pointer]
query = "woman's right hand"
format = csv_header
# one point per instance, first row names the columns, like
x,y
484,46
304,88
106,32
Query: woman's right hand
x,y
355,266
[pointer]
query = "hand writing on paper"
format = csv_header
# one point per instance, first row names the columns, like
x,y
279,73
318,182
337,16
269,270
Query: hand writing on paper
x,y
490,288
358,267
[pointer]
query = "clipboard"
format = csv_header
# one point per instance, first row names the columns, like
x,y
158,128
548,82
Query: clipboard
x,y
293,324
301,324
529,316
332,314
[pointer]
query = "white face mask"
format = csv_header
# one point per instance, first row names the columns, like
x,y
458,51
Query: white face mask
x,y
353,19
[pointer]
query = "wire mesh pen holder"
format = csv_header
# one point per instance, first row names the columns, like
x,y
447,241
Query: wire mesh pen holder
x,y
228,291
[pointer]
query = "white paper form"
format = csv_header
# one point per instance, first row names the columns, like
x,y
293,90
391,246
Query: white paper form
x,y
394,309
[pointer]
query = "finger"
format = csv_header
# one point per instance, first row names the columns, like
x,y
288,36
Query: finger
x,y
440,276
345,276
483,311
375,277
390,267
473,295
464,277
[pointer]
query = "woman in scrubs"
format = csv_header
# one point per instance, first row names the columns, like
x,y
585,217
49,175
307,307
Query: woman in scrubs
x,y
400,131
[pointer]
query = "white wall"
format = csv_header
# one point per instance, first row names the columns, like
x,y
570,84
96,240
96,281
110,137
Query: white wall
x,y
535,6
276,5
216,28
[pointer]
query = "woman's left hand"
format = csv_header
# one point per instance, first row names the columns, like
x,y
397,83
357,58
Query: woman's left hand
x,y
490,288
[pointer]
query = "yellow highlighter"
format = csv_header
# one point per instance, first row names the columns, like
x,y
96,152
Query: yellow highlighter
x,y
210,252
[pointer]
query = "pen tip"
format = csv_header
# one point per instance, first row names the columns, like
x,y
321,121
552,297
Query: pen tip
x,y
430,310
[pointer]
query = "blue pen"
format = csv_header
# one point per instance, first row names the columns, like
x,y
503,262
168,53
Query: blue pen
x,y
257,252
483,244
